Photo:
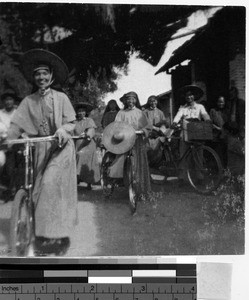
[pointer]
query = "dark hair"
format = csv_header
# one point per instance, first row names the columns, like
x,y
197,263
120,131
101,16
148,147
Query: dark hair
x,y
6,95
82,107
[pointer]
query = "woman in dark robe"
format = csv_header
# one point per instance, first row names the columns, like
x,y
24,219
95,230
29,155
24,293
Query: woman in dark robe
x,y
86,156
110,113
44,113
219,116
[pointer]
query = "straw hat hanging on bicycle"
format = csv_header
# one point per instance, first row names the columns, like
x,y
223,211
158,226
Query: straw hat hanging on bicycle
x,y
49,112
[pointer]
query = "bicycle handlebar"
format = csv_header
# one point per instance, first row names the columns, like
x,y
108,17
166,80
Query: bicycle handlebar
x,y
139,131
37,139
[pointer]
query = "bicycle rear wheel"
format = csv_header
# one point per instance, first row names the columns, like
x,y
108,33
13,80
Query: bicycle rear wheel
x,y
107,184
129,169
204,169
20,227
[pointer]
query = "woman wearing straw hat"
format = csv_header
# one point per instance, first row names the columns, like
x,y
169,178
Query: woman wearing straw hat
x,y
190,111
86,156
49,112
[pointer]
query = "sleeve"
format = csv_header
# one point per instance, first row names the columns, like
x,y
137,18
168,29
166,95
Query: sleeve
x,y
163,120
145,124
178,116
205,116
90,128
14,131
68,115
24,119
146,113
119,116
91,123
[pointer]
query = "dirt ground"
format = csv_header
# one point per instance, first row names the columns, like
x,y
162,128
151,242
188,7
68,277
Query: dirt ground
x,y
171,222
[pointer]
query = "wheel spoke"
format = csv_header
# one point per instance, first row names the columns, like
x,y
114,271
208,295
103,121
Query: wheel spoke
x,y
204,169
107,184
20,225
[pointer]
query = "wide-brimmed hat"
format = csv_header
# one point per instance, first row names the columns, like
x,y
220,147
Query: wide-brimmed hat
x,y
196,90
119,137
85,105
35,57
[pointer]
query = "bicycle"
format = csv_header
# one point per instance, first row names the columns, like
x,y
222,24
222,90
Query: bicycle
x,y
203,165
22,227
108,184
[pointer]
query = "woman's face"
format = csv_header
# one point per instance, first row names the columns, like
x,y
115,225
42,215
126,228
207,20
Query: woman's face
x,y
131,102
153,102
42,78
9,103
81,113
221,102
189,97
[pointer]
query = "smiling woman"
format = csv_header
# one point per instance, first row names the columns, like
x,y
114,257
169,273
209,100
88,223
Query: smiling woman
x,y
43,113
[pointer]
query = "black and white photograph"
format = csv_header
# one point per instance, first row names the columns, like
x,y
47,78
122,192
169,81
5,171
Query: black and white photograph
x,y
122,129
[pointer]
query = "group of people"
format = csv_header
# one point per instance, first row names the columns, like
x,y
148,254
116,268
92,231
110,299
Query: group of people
x,y
59,165
227,119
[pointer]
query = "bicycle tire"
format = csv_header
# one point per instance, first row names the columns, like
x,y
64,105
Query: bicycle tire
x,y
204,169
106,184
131,185
20,227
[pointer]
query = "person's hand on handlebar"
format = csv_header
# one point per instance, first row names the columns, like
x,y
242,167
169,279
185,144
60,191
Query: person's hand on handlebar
x,y
62,136
84,135
175,126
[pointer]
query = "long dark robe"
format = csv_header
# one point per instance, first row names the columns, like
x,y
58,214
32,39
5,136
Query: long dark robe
x,y
86,155
55,188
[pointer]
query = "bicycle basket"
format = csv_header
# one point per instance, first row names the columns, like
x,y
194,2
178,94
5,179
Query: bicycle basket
x,y
197,131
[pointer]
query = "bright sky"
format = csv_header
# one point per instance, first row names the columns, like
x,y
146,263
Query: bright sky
x,y
141,76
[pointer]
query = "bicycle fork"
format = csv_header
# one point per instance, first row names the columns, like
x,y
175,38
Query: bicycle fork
x,y
29,188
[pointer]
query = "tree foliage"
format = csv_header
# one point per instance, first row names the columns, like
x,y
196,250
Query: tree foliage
x,y
102,35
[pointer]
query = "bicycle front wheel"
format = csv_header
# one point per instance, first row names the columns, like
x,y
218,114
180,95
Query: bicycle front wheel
x,y
107,184
20,227
204,169
129,169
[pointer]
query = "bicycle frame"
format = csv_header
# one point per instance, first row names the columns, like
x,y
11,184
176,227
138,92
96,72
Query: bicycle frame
x,y
184,155
29,176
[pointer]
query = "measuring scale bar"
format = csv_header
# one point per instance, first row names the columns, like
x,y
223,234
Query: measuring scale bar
x,y
110,282
65,291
